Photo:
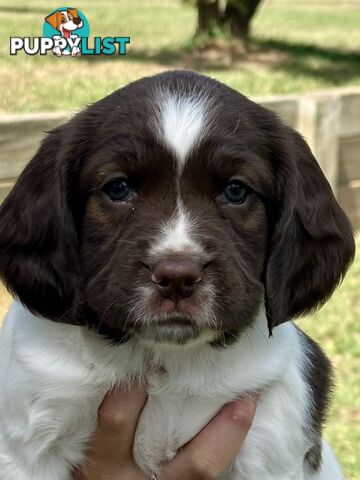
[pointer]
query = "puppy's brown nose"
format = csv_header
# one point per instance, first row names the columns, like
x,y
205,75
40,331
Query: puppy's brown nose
x,y
176,278
77,20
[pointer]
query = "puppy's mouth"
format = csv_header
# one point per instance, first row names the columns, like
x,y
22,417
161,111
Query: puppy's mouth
x,y
173,320
66,32
184,308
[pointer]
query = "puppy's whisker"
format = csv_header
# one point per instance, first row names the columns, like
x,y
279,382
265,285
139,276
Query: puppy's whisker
x,y
255,326
247,271
75,306
103,316
119,240
130,314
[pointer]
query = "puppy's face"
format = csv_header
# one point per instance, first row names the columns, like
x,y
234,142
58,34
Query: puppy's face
x,y
66,21
178,209
175,227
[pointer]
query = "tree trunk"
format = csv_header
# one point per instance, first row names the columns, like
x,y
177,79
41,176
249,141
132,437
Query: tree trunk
x,y
238,15
208,16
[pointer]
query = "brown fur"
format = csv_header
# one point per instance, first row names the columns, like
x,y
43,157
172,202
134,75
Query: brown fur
x,y
55,18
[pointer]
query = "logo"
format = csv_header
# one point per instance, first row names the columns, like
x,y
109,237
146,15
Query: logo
x,y
66,32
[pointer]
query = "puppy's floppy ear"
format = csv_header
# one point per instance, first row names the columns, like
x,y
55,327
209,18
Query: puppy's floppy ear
x,y
313,242
73,12
38,239
53,20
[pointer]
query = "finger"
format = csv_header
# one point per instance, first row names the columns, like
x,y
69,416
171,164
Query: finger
x,y
110,449
120,410
213,448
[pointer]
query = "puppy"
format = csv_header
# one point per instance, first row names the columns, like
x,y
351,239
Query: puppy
x,y
171,231
66,22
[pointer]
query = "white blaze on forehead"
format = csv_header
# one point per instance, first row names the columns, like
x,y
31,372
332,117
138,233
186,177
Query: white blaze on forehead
x,y
175,236
182,122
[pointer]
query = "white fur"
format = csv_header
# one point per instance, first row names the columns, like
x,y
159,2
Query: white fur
x,y
331,469
175,236
69,24
182,123
54,376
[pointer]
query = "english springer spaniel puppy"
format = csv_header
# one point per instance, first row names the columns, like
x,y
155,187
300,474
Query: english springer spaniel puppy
x,y
170,231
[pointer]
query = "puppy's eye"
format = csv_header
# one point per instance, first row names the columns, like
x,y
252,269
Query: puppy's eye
x,y
236,192
118,190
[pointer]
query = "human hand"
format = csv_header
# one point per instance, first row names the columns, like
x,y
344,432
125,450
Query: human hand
x,y
204,457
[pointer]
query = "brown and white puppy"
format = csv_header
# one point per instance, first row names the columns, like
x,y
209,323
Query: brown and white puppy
x,y
165,231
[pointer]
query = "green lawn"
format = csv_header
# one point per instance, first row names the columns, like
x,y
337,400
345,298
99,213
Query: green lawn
x,y
298,46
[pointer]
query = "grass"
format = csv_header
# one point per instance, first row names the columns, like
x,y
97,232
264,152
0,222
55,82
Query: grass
x,y
297,47
337,329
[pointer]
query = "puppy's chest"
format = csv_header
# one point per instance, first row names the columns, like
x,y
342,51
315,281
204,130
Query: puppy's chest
x,y
187,390
169,420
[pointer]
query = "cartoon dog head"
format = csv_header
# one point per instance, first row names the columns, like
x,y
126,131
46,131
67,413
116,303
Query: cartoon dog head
x,y
65,21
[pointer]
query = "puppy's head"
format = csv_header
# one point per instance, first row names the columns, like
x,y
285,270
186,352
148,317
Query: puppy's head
x,y
172,209
66,21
